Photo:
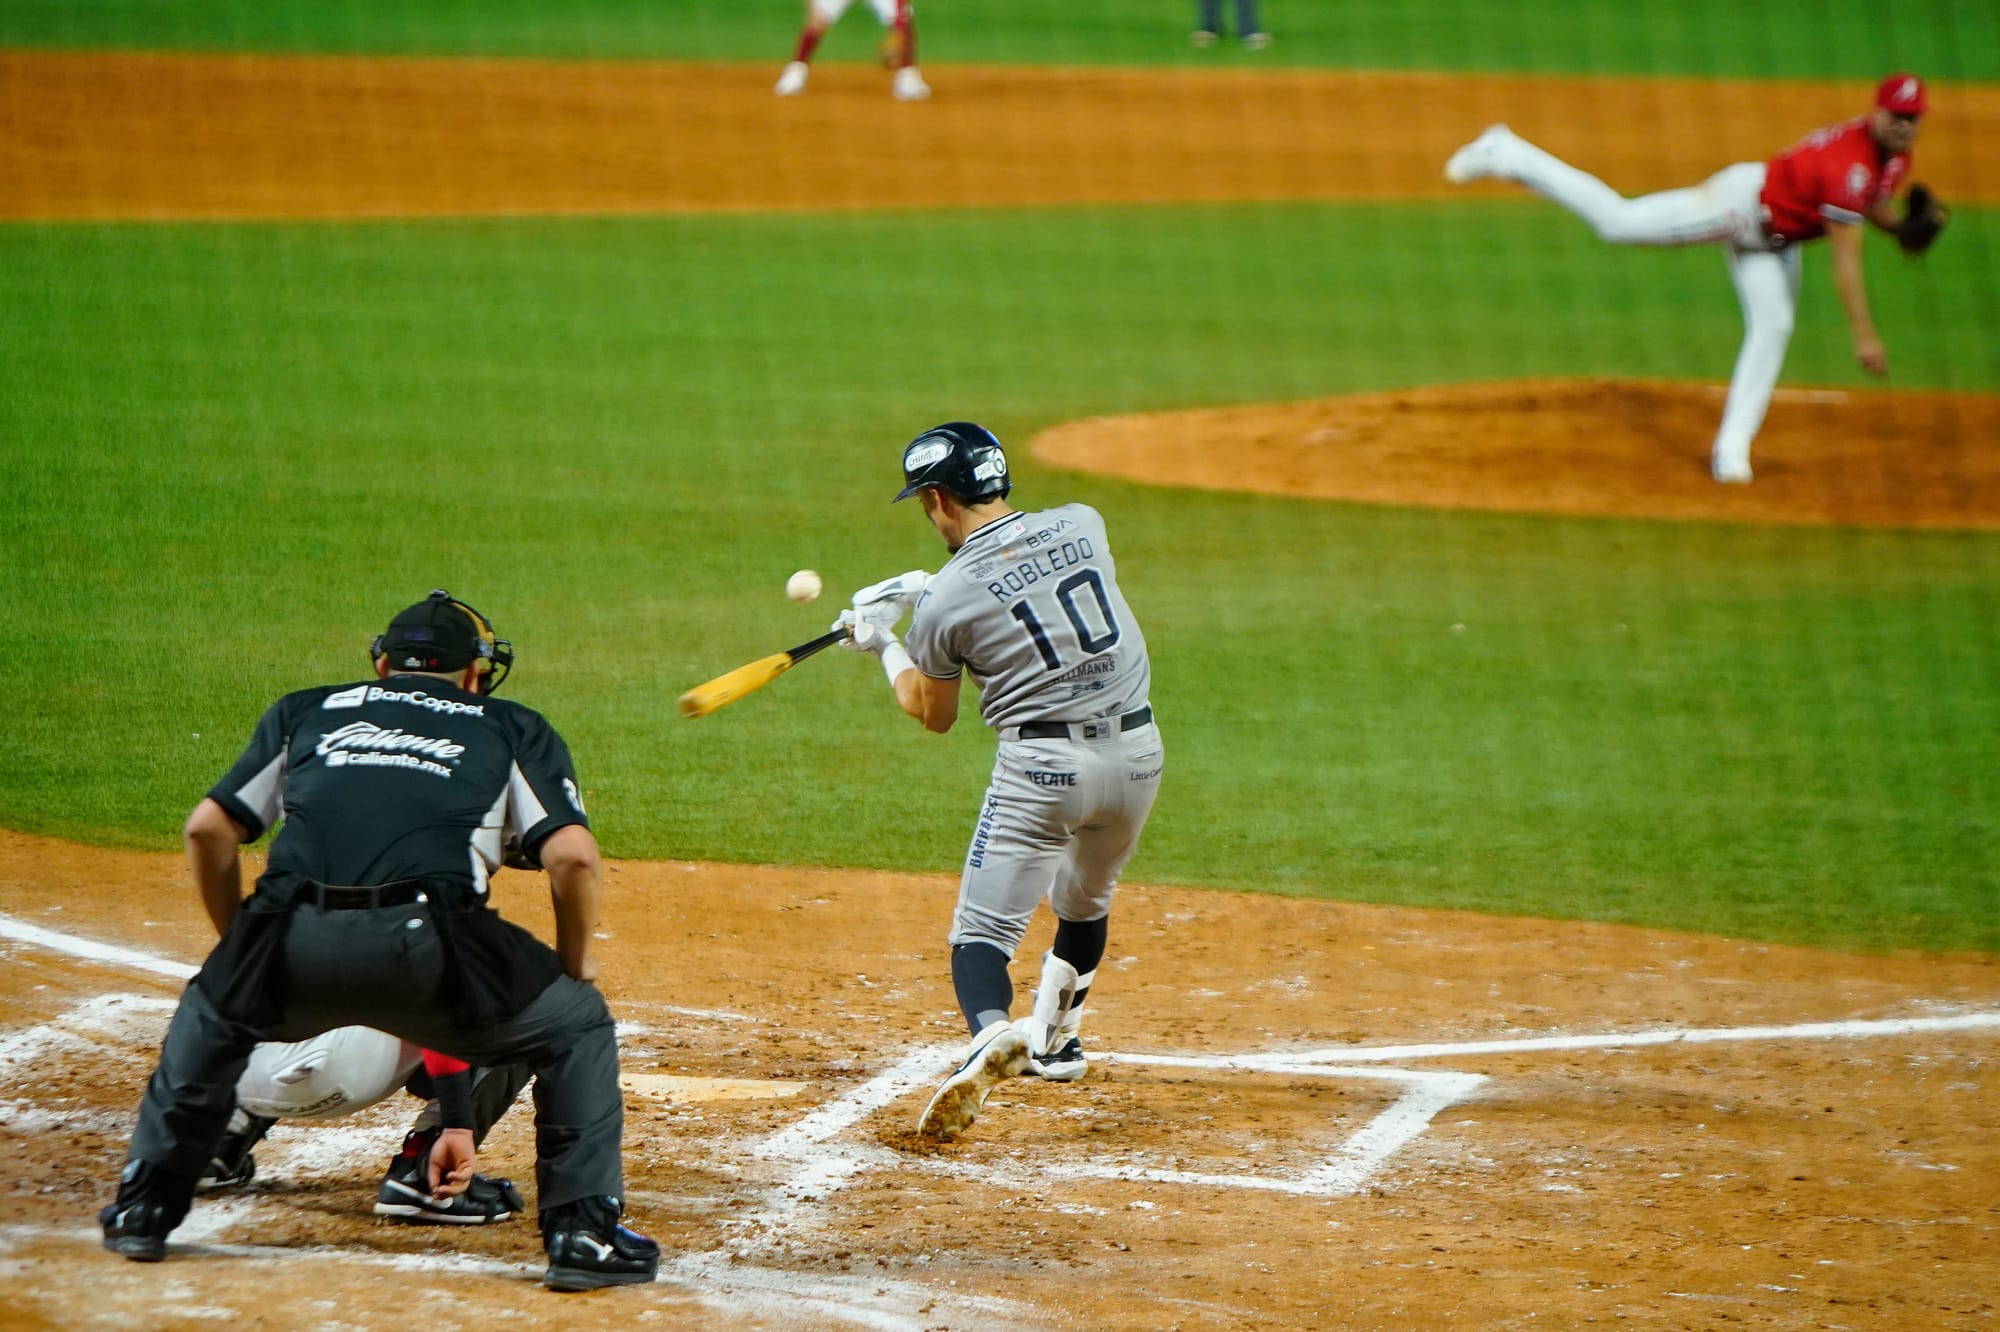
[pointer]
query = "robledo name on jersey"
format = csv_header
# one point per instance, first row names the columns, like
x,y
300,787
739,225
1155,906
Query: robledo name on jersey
x,y
1039,565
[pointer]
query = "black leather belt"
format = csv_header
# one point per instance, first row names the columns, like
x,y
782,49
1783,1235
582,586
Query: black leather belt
x,y
1045,730
364,899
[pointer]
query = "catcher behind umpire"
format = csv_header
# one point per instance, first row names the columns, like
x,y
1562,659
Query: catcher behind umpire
x,y
399,796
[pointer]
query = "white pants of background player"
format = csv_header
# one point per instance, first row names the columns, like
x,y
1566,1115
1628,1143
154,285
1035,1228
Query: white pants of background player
x,y
830,11
1726,210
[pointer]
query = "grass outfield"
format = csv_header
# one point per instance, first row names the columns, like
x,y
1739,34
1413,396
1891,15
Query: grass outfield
x,y
1861,39
233,451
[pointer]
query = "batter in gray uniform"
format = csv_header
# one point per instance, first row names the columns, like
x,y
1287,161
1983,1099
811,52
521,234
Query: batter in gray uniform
x,y
1029,604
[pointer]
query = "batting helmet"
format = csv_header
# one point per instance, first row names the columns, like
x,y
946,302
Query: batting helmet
x,y
443,634
963,460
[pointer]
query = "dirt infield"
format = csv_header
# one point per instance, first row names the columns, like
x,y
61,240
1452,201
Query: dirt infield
x,y
1302,1114
1583,446
205,136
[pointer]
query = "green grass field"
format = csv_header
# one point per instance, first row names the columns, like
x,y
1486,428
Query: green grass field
x,y
232,451
1861,39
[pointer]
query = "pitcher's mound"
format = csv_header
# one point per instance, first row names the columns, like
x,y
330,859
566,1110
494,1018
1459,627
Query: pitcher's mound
x,y
1575,446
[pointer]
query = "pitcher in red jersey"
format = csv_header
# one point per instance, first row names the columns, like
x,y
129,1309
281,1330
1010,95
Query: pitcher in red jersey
x,y
1827,184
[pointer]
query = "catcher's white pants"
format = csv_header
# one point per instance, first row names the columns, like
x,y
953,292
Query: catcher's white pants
x,y
1725,209
334,1073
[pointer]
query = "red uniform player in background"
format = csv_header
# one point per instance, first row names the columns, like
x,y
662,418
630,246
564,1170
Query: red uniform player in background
x,y
899,47
1827,184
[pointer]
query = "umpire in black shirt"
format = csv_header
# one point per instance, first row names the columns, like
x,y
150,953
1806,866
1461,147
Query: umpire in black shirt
x,y
399,796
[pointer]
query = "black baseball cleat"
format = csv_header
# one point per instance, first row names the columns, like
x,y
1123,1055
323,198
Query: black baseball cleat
x,y
588,1249
233,1166
1065,1063
405,1197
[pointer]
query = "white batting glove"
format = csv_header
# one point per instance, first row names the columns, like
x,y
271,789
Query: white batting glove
x,y
901,591
865,632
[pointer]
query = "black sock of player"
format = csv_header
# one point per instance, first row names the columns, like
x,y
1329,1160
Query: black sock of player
x,y
985,990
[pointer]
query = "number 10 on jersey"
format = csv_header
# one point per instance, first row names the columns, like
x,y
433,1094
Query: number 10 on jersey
x,y
1091,641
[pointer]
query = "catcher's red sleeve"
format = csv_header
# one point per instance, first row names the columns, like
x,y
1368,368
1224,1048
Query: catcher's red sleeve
x,y
437,1065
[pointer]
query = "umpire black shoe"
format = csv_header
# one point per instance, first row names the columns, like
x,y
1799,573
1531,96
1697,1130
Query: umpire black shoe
x,y
405,1197
150,1203
588,1248
137,1230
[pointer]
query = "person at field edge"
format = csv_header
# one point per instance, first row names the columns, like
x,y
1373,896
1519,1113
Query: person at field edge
x,y
1029,604
899,47
1827,184
399,796
1208,24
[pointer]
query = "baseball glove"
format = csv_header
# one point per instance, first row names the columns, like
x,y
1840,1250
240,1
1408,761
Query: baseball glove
x,y
1923,218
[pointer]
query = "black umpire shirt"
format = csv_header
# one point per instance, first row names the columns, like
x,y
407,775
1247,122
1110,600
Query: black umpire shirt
x,y
405,778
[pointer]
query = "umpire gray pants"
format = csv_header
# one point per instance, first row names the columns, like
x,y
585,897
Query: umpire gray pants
x,y
384,968
1061,820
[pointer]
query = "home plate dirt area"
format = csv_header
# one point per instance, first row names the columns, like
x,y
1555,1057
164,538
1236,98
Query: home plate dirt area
x,y
1300,1114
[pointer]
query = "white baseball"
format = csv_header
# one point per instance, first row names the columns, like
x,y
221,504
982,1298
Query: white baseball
x,y
803,585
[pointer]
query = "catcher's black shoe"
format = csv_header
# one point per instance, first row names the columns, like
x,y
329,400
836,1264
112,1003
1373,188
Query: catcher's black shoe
x,y
405,1196
588,1248
233,1166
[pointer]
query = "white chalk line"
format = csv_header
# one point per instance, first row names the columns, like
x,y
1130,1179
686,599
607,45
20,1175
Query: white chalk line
x,y
89,1025
1798,1031
12,927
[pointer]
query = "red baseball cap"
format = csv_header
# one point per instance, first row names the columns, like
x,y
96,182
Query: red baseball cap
x,y
1903,94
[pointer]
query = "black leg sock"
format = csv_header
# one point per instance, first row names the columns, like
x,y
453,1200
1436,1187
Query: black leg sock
x,y
985,990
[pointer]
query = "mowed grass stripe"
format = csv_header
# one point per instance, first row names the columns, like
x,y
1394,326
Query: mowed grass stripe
x,y
1860,39
238,449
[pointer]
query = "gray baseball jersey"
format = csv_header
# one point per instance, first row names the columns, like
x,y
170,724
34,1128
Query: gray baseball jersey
x,y
1030,606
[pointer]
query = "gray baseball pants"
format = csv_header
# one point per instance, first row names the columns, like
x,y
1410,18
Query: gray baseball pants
x,y
1060,821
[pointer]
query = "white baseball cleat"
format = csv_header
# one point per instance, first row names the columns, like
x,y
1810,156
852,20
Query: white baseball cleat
x,y
793,81
998,1053
1480,158
1730,471
910,85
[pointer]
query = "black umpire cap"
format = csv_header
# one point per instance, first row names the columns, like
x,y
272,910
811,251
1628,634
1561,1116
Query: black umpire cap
x,y
962,459
442,634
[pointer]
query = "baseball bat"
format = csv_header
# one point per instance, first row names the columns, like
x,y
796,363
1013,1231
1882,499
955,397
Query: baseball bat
x,y
726,688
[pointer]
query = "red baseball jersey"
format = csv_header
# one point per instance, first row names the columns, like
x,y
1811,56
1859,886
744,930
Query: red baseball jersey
x,y
1836,173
